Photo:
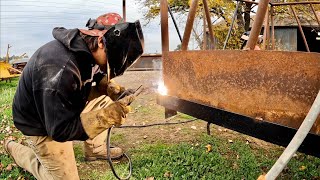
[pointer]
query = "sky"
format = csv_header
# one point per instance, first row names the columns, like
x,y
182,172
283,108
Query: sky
x,y
27,24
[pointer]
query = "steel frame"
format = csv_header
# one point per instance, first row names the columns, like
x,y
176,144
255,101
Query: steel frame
x,y
264,130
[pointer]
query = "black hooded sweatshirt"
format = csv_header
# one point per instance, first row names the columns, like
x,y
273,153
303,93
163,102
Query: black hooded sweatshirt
x,y
54,87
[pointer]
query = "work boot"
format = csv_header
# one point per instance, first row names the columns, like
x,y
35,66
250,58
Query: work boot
x,y
96,148
92,152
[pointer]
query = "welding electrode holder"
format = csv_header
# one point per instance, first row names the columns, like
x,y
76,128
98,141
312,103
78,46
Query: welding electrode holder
x,y
135,94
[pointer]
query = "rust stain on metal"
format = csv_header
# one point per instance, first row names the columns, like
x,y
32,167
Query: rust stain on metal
x,y
272,86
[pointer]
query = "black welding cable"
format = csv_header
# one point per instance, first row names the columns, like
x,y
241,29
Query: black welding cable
x,y
159,124
125,155
110,161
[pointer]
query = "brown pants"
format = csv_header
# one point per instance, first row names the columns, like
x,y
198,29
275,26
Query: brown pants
x,y
47,159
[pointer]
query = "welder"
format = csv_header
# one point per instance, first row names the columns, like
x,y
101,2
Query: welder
x,y
65,93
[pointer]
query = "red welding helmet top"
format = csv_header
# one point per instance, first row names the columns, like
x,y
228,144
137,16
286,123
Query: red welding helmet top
x,y
99,26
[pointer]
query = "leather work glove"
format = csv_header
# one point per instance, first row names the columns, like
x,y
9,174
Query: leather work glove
x,y
110,88
102,113
114,90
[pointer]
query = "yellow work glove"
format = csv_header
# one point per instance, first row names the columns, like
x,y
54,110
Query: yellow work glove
x,y
102,113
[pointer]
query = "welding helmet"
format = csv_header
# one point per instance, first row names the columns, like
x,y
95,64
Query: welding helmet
x,y
123,41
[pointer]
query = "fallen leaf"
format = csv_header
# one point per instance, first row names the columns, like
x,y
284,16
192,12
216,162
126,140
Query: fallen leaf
x,y
167,174
149,178
209,148
230,141
193,127
9,167
21,178
302,168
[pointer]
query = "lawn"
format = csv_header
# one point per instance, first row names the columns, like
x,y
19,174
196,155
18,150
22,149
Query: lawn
x,y
181,151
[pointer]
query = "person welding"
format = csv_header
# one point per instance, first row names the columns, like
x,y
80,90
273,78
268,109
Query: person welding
x,y
66,93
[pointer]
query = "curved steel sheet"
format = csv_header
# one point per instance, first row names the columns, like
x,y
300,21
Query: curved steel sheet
x,y
273,86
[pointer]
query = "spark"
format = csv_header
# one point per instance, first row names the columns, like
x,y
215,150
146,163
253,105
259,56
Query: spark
x,y
162,90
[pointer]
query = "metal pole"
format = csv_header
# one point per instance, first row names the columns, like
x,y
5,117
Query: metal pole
x,y
189,25
206,9
124,10
266,32
164,25
7,56
272,27
315,14
257,24
300,28
231,26
204,32
175,23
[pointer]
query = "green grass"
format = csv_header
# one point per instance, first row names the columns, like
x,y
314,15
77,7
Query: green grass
x,y
235,160
7,91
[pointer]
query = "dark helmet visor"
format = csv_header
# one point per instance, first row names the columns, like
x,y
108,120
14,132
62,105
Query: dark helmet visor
x,y
124,45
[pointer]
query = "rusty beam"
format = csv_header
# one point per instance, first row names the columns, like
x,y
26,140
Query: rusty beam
x,y
257,24
300,28
294,3
207,12
189,25
164,25
315,14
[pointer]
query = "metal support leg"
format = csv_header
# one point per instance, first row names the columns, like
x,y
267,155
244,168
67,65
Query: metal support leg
x,y
208,128
169,113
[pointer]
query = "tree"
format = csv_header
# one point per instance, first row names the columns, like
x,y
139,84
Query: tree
x,y
222,11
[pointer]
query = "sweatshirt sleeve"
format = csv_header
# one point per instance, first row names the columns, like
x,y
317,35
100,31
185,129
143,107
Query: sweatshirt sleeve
x,y
60,105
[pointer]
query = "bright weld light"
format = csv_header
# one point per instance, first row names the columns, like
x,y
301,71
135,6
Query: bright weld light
x,y
162,90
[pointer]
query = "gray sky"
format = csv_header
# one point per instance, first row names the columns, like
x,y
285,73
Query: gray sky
x,y
27,24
